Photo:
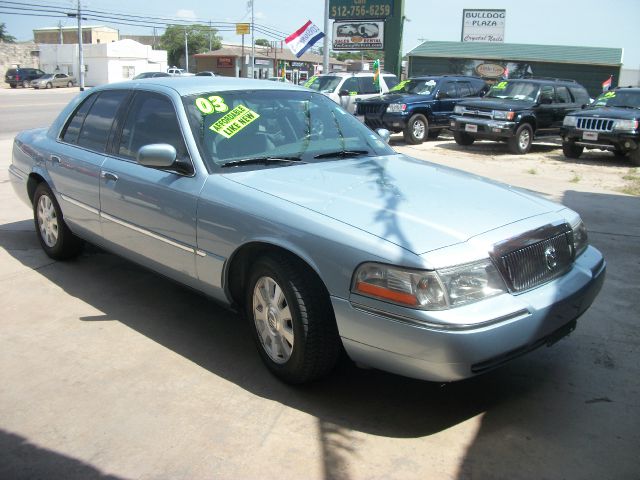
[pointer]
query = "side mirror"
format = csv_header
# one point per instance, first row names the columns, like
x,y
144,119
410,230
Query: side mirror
x,y
161,155
384,134
546,101
440,95
343,93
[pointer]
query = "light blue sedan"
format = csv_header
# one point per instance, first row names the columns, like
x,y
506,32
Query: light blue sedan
x,y
273,200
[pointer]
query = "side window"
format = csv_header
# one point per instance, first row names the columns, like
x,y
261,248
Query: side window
x,y
465,89
391,81
350,85
580,95
151,119
97,125
72,130
562,95
449,88
366,85
547,92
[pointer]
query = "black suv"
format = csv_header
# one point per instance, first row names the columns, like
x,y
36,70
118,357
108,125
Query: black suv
x,y
517,111
22,76
419,107
610,123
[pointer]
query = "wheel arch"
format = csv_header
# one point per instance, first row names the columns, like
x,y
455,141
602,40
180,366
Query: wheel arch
x,y
531,120
33,181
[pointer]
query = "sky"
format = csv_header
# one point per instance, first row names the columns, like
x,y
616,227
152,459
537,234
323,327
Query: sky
x,y
592,23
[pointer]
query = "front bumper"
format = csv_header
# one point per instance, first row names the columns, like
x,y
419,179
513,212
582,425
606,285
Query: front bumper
x,y
394,122
509,326
482,128
614,140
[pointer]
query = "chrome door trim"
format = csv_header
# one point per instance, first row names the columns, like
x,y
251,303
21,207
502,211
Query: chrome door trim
x,y
84,206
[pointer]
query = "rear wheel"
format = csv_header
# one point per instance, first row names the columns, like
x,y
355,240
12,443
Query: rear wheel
x,y
49,85
416,130
292,319
25,84
463,138
520,143
571,150
56,239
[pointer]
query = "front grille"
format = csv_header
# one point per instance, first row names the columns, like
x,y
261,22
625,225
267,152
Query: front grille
x,y
471,112
595,124
539,263
371,108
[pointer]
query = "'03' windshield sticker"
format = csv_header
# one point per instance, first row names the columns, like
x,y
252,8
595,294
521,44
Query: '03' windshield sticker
x,y
212,104
234,121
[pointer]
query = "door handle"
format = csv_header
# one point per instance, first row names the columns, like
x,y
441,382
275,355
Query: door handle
x,y
108,176
55,159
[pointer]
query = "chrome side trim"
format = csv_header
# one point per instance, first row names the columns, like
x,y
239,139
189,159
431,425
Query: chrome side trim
x,y
84,206
147,233
17,173
439,326
200,253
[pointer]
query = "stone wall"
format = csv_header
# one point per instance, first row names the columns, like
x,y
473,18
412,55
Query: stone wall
x,y
24,54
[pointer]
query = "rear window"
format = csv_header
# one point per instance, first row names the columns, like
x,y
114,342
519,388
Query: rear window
x,y
580,95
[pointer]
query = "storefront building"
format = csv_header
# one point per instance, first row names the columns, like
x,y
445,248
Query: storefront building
x,y
589,66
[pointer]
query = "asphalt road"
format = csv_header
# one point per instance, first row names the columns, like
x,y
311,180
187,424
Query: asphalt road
x,y
109,371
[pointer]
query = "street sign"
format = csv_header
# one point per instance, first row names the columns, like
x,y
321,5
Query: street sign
x,y
360,9
243,28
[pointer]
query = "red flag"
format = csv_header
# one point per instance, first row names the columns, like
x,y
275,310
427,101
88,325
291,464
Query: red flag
x,y
606,85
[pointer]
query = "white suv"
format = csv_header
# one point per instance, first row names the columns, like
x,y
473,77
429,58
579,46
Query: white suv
x,y
349,87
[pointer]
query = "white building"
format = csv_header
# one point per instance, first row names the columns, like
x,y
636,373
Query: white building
x,y
104,62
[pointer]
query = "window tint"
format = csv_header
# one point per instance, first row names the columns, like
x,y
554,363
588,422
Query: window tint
x,y
97,124
546,91
562,95
350,85
391,81
72,130
367,85
465,89
151,119
580,95
450,89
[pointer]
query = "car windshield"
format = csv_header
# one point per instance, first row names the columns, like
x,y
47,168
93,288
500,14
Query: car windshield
x,y
415,86
514,90
619,98
276,125
324,83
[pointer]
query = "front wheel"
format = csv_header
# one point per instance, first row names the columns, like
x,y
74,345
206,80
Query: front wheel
x,y
25,84
49,85
292,319
571,150
416,130
70,84
57,241
520,143
463,138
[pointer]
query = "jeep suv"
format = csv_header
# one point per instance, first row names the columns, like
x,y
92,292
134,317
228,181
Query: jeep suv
x,y
346,88
611,123
21,76
419,107
517,111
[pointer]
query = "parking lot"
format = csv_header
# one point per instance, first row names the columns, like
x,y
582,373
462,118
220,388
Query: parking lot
x,y
110,371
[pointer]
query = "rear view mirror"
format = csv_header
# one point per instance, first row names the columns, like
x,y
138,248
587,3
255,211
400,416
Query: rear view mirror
x,y
160,155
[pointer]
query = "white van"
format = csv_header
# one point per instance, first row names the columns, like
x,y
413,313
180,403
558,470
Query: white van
x,y
346,88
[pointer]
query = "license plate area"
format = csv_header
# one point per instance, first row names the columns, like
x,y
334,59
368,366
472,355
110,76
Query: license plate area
x,y
590,135
470,127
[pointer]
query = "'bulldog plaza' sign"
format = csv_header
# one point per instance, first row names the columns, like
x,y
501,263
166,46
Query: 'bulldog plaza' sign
x,y
483,25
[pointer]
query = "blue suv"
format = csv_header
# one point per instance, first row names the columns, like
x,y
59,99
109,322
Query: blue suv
x,y
419,107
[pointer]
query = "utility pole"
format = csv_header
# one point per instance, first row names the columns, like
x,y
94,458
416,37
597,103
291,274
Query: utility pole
x,y
253,43
60,40
325,44
186,52
80,53
209,35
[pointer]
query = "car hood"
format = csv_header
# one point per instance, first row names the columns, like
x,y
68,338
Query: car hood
x,y
608,112
414,204
498,104
398,97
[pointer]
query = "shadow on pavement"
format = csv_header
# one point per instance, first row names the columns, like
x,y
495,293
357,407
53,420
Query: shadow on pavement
x,y
496,148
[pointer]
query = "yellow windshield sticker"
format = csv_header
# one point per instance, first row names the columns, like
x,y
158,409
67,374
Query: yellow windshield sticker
x,y
609,95
234,121
353,93
310,81
211,105
399,86
500,86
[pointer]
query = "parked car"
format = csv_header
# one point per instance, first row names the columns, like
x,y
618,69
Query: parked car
x,y
278,79
419,107
205,74
143,75
610,123
518,111
175,71
348,88
21,76
274,200
53,80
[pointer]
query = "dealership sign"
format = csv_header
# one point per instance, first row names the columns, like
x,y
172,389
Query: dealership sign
x,y
490,70
483,25
355,35
360,9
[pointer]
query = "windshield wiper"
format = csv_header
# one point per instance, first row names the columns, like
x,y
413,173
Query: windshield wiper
x,y
621,106
261,161
342,154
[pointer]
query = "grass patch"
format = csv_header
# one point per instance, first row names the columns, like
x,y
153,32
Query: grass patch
x,y
576,178
633,182
532,171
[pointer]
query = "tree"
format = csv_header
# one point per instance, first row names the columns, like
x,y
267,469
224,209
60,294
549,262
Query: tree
x,y
4,36
263,42
197,39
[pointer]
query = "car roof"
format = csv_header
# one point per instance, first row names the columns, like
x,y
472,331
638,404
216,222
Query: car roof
x,y
353,74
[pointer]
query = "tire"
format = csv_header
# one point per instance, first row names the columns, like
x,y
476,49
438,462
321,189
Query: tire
x,y
619,153
49,85
57,241
70,84
571,150
634,156
25,84
13,85
416,130
291,319
520,143
463,138
434,133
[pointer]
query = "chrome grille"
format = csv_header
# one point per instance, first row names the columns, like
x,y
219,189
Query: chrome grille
x,y
539,263
371,108
595,124
472,112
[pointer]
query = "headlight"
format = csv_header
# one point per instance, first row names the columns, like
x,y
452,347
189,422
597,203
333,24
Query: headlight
x,y
458,109
625,125
396,107
503,115
570,121
428,290
580,239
